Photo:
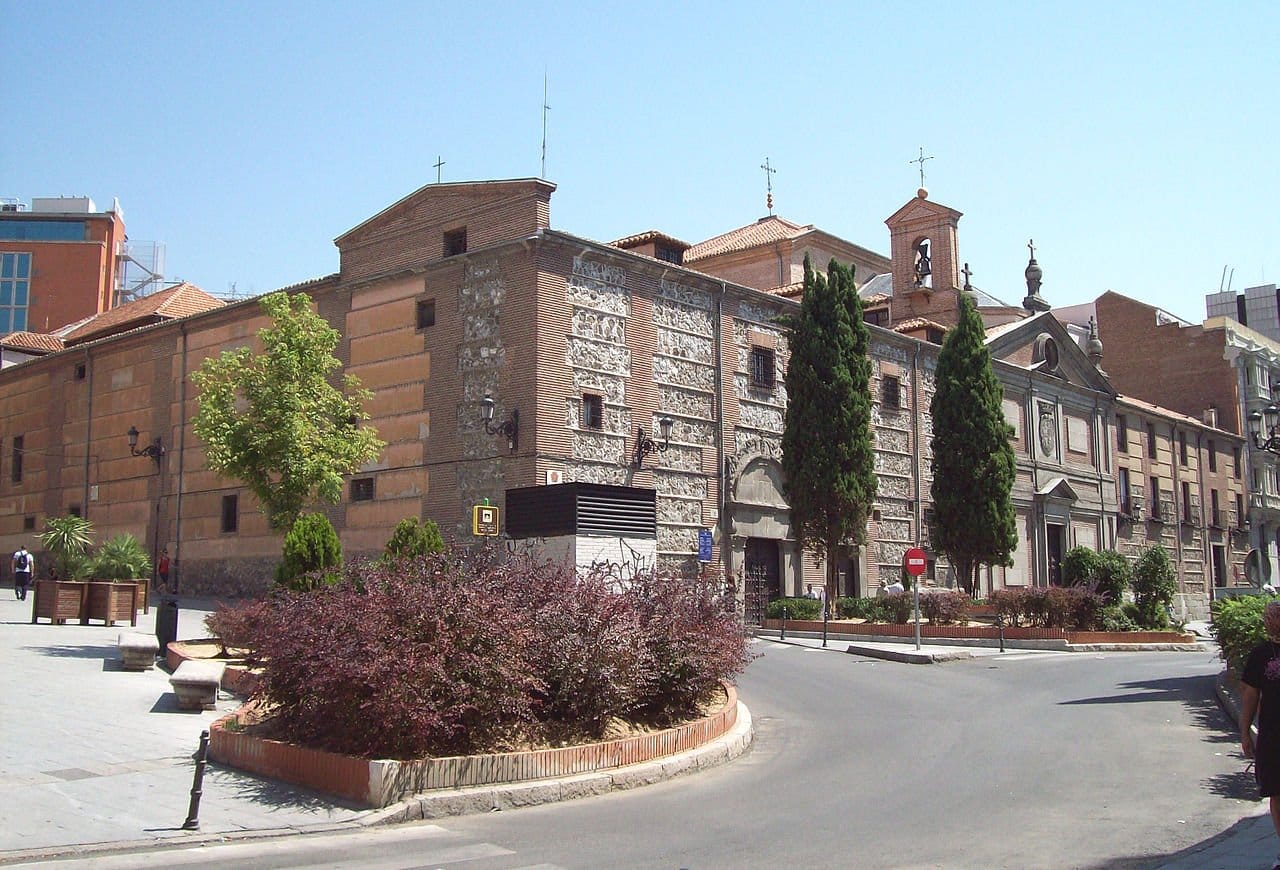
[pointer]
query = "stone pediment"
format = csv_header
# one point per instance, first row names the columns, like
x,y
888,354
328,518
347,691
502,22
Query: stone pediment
x,y
922,211
1042,344
1057,488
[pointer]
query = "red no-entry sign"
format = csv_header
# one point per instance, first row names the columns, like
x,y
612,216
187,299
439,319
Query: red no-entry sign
x,y
914,561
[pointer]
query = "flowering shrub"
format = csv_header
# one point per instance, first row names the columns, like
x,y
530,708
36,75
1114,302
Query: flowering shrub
x,y
945,608
441,655
238,627
1074,608
1009,605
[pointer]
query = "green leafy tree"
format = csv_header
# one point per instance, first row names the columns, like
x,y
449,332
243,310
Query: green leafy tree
x,y
311,546
1154,584
1079,566
413,538
827,456
973,462
274,419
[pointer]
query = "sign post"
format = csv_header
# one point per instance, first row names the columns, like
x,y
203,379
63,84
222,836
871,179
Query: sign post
x,y
485,522
914,562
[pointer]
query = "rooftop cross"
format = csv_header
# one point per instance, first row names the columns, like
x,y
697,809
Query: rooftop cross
x,y
921,159
1031,246
967,275
439,162
768,178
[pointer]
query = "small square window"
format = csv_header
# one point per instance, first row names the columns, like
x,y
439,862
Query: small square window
x,y
763,364
592,412
80,371
362,489
74,510
890,392
669,254
455,242
28,524
230,513
426,313
934,336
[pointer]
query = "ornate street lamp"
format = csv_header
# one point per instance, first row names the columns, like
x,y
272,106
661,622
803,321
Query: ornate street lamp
x,y
155,449
509,427
1271,442
646,445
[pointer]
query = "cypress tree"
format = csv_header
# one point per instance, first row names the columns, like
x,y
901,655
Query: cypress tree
x,y
827,456
973,461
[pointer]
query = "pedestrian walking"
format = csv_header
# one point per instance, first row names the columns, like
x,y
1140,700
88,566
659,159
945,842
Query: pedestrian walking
x,y
1260,699
162,570
22,562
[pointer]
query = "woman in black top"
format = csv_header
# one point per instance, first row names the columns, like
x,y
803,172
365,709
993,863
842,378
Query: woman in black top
x,y
1260,697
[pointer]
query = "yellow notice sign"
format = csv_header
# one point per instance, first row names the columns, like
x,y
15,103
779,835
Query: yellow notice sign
x,y
484,521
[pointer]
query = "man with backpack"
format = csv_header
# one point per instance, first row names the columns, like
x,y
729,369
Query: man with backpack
x,y
22,562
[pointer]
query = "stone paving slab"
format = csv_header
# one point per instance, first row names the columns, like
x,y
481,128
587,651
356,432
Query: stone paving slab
x,y
92,753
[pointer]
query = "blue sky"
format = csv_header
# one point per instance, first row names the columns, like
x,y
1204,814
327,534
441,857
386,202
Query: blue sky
x,y
1134,141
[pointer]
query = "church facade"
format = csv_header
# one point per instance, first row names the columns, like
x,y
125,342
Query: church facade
x,y
616,401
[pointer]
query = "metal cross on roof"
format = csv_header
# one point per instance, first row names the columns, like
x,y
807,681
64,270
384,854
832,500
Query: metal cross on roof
x,y
921,159
1031,246
439,162
967,275
768,178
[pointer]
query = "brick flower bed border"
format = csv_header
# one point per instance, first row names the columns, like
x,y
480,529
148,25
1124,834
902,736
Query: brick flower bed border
x,y
983,632
381,782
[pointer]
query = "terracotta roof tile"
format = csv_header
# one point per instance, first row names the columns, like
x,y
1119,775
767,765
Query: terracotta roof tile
x,y
36,342
875,299
649,236
171,304
763,232
917,323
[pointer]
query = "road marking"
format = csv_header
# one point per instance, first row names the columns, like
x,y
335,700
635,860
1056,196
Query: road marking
x,y
1017,657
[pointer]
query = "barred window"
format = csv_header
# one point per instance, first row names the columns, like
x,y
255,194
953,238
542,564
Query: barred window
x,y
763,363
890,392
362,489
592,411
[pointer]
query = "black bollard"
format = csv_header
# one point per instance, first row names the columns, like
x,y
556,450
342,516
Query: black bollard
x,y
197,786
782,632
1000,628
825,616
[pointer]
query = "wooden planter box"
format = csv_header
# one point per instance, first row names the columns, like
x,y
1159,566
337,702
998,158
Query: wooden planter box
x,y
110,602
59,600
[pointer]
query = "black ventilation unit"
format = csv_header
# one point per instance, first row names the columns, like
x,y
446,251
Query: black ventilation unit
x,y
582,509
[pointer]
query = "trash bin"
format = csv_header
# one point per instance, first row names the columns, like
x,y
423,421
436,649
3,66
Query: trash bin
x,y
166,624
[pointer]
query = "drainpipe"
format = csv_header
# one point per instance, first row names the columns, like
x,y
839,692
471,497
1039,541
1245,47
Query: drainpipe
x,y
88,430
1207,547
916,427
1102,446
722,496
1039,545
1175,462
176,568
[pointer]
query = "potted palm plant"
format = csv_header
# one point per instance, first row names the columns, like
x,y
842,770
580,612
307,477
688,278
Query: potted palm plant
x,y
121,559
60,597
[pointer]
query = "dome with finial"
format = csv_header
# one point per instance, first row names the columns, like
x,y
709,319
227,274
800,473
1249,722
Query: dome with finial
x,y
922,193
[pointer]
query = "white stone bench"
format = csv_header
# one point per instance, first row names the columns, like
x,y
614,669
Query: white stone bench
x,y
196,683
138,651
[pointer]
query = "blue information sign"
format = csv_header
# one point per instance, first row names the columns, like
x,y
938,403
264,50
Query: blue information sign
x,y
704,545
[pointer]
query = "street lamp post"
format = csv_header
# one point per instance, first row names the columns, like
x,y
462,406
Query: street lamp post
x,y
167,607
1271,415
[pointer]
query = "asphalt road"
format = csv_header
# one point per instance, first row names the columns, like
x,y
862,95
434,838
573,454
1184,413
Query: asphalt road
x,y
1026,760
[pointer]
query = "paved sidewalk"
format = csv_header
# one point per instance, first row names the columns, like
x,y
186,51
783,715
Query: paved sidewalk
x,y
90,753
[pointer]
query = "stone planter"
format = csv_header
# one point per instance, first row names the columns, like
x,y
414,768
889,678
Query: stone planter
x,y
110,602
59,600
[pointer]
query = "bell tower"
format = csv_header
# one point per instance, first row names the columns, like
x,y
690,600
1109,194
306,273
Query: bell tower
x,y
926,262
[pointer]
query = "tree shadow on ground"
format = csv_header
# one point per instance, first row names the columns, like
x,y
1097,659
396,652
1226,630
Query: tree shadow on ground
x,y
1195,692
1206,853
1238,785
278,795
84,651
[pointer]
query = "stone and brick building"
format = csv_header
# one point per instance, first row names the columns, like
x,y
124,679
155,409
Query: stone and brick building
x,y
461,298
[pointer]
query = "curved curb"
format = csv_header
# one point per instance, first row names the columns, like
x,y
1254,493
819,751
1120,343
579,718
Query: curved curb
x,y
456,802
485,799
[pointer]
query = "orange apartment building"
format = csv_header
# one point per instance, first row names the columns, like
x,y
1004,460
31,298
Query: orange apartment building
x,y
60,262
462,296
